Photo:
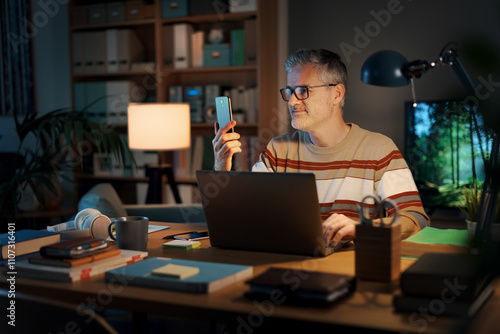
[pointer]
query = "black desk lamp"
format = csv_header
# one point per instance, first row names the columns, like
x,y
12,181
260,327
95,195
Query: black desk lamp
x,y
391,69
159,127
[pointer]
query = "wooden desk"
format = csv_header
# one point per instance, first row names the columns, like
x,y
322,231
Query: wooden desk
x,y
367,308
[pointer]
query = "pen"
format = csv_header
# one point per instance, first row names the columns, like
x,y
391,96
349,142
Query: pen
x,y
171,236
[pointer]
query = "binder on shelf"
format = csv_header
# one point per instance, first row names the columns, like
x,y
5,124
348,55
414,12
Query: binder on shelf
x,y
168,46
78,56
197,42
250,27
88,53
112,50
237,47
175,94
100,49
252,112
96,100
211,92
182,45
118,97
130,49
194,96
197,155
79,95
238,99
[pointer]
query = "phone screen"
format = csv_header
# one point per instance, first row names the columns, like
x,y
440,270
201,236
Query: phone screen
x,y
224,110
192,236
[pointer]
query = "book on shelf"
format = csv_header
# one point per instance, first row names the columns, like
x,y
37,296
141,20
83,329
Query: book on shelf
x,y
25,268
432,273
435,240
237,37
25,241
298,286
212,276
448,306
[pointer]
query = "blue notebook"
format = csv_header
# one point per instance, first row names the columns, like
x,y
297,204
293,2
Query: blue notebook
x,y
212,276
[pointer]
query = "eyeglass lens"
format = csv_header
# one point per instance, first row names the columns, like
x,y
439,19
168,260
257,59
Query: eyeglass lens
x,y
301,93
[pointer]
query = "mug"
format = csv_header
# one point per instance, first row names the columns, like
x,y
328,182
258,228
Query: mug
x,y
131,232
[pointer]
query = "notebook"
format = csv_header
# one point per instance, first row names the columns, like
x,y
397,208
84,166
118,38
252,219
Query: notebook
x,y
272,212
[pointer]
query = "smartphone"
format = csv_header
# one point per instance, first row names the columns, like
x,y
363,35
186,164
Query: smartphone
x,y
192,236
224,111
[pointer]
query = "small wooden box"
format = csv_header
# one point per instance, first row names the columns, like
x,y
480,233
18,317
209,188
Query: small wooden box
x,y
378,253
79,16
116,12
133,10
97,14
148,11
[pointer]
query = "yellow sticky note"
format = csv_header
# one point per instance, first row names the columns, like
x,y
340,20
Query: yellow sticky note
x,y
175,270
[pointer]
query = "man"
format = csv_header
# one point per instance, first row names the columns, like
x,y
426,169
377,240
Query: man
x,y
348,162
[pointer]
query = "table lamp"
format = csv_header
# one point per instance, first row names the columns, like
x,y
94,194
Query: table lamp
x,y
391,69
159,127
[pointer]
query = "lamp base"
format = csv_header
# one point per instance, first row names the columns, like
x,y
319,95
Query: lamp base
x,y
154,173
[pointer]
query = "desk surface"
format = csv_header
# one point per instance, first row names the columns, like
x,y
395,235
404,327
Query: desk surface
x,y
370,307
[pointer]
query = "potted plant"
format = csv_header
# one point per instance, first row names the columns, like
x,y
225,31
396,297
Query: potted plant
x,y
50,146
470,208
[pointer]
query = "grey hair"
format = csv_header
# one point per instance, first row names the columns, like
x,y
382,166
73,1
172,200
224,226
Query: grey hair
x,y
330,67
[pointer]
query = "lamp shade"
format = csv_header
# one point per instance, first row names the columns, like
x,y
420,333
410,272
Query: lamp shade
x,y
159,126
385,68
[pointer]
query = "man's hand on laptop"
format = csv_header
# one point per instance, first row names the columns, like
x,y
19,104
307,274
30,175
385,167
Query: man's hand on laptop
x,y
225,145
338,227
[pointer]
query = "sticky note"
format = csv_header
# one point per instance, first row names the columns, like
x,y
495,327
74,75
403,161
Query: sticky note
x,y
181,244
175,270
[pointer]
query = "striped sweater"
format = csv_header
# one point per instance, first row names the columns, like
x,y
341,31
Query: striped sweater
x,y
363,163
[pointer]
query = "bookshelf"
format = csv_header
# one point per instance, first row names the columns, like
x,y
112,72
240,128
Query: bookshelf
x,y
151,76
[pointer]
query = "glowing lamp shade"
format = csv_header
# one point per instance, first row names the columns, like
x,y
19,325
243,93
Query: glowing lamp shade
x,y
159,126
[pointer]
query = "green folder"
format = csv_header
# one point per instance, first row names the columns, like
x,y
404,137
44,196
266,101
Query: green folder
x,y
431,239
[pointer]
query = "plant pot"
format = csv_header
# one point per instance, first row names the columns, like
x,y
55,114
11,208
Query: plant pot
x,y
48,199
495,231
26,199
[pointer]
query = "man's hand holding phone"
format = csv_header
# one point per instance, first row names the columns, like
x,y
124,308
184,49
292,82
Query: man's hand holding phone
x,y
226,142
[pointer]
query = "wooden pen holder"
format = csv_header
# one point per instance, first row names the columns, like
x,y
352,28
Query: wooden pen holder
x,y
378,252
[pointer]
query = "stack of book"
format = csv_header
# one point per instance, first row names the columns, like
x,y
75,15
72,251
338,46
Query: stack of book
x,y
444,284
71,267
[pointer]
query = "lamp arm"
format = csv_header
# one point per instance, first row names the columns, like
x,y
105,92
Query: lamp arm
x,y
450,57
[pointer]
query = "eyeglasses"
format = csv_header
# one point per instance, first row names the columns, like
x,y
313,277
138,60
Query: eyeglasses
x,y
300,92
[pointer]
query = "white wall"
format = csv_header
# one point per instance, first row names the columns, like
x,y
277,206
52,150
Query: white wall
x,y
417,29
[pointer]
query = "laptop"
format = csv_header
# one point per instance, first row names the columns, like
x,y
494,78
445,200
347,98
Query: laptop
x,y
271,212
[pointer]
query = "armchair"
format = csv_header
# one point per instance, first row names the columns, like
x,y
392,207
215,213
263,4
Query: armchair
x,y
104,198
